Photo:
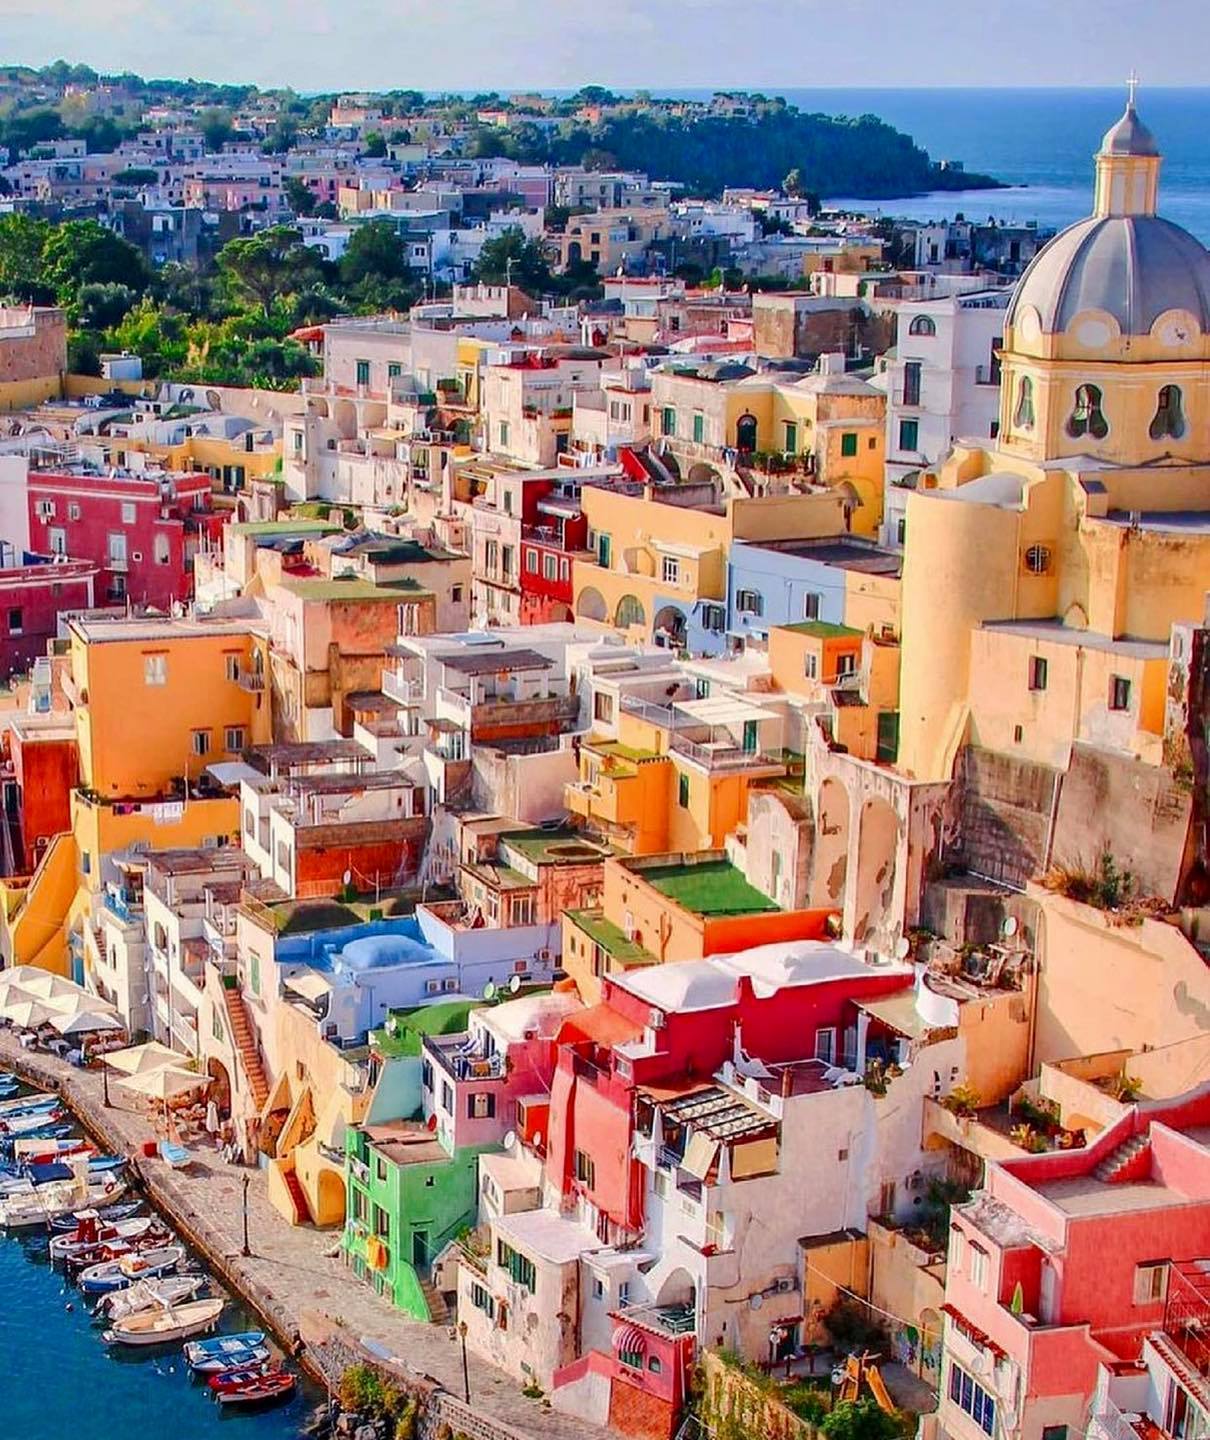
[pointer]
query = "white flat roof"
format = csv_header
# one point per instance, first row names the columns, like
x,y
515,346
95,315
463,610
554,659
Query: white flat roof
x,y
724,710
548,1235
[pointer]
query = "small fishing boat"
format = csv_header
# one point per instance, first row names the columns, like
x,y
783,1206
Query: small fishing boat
x,y
54,1131
107,1215
275,1385
16,1125
25,1103
166,1325
124,1270
227,1352
149,1295
42,1152
40,1205
231,1379
90,1234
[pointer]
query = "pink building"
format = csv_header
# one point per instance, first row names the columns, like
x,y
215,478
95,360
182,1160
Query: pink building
x,y
1061,1264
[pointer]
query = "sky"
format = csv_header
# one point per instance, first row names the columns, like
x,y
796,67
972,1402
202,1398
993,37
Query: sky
x,y
654,44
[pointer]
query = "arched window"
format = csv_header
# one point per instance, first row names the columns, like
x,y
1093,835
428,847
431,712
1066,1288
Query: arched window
x,y
1037,560
922,325
1023,416
629,612
1169,414
1087,417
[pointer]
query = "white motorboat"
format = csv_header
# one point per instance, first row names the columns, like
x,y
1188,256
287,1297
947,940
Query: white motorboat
x,y
124,1270
26,1104
166,1326
40,1205
150,1295
91,1235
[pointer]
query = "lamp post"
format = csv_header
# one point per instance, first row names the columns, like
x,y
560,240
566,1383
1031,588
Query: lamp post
x,y
105,1083
458,1332
246,1250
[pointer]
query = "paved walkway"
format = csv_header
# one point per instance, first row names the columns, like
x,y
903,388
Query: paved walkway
x,y
293,1278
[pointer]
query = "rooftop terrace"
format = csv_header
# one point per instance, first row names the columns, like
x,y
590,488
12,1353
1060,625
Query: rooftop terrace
x,y
714,887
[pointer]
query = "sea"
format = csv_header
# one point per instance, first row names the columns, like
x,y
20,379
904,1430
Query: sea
x,y
1038,141
59,1381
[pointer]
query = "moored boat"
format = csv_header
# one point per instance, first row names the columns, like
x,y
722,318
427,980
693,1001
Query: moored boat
x,y
149,1295
124,1270
167,1325
91,1235
107,1215
227,1352
275,1385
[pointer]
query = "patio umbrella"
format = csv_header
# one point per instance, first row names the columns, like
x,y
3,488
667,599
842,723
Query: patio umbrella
x,y
165,1083
140,1059
85,1022
29,1014
46,985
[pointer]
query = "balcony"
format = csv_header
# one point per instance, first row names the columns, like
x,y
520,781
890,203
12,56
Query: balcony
x,y
250,679
119,564
458,1058
403,691
719,750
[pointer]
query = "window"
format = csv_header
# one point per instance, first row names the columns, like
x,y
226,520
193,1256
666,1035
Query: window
x,y
254,973
1169,416
1054,1432
233,738
848,444
604,551
382,1223
503,433
749,602
550,567
1023,415
523,910
116,545
155,670
909,435
1119,692
791,438
922,325
668,420
73,511
825,1044
714,618
1037,673
506,562
394,369
670,570
361,1204
811,603
970,1396
16,622
682,791
481,1299
699,428
911,382
508,502
531,561
977,1269
456,594
45,509
363,372
160,550
900,531
201,742
810,665
216,1025
701,689
1087,417
1037,560
128,512
564,569
56,539
1150,1282
602,707
231,667
846,664
520,1269
585,1168
447,1097
481,1105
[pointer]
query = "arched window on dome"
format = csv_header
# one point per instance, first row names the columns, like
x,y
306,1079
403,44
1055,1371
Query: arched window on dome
x,y
922,325
1169,414
1087,417
1023,415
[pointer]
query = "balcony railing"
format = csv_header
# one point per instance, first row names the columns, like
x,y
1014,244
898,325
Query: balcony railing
x,y
250,680
720,754
461,1062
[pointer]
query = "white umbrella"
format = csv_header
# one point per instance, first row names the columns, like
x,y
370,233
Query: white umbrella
x,y
85,1022
46,985
165,1083
140,1059
29,1014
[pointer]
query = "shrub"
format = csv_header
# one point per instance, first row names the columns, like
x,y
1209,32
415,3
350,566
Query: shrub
x,y
861,1420
963,1099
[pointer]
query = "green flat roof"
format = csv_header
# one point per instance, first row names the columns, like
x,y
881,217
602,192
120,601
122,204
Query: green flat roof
x,y
321,589
823,630
715,887
284,527
611,937
448,1017
553,845
619,751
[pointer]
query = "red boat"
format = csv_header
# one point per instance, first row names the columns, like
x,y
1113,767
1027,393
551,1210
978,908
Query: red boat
x,y
232,1379
257,1390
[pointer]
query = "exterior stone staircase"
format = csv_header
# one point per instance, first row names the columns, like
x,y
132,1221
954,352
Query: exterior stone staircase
x,y
1120,1164
439,1311
245,1044
302,1211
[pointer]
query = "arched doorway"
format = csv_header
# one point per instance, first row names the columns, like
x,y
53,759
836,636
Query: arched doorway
x,y
829,870
590,605
877,843
669,629
330,1198
629,612
220,1089
929,1347
745,433
678,1289
558,612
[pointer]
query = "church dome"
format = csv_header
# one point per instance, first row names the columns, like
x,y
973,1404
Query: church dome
x,y
1129,136
1133,267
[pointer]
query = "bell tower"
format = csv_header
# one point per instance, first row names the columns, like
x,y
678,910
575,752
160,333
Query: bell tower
x,y
1128,166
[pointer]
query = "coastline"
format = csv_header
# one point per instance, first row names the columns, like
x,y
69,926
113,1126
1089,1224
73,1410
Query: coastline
x,y
321,1315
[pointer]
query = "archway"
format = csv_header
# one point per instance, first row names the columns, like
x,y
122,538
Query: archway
x,y
220,1090
745,433
629,612
558,612
877,843
678,1289
330,1198
590,605
703,474
930,1346
575,252
669,628
829,870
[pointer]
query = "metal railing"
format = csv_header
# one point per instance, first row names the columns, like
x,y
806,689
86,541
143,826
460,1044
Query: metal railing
x,y
719,754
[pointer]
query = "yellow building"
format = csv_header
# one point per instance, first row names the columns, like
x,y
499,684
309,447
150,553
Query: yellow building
x,y
1043,574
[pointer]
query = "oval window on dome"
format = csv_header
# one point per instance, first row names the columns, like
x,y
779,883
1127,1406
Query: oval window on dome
x,y
1087,417
1169,414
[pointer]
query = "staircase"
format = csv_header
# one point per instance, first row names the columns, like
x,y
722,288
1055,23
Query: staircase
x,y
1119,1164
439,1311
302,1211
245,1044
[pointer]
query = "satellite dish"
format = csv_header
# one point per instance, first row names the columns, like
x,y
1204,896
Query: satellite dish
x,y
489,990
756,1301
1009,926
510,1139
537,1140
347,878
903,948
514,984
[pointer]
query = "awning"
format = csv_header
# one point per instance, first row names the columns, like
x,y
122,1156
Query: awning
x,y
311,985
972,1332
629,1340
723,710
699,1155
896,1012
601,1024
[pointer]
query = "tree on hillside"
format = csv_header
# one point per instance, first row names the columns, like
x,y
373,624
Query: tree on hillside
x,y
81,252
216,128
376,145
100,306
270,263
374,249
529,267
21,240
300,196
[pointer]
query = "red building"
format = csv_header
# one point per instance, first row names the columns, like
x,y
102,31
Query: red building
x,y
44,762
32,595
550,541
140,531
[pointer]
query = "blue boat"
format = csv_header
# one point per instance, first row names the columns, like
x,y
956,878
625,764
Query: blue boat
x,y
222,1353
106,1164
39,1105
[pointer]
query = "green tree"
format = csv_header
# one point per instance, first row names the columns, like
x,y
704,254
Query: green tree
x,y
860,1420
794,184
215,125
270,263
375,145
513,257
299,195
22,238
101,305
81,252
374,249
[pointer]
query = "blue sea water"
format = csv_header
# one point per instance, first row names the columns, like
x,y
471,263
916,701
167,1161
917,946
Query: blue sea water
x,y
59,1381
1040,141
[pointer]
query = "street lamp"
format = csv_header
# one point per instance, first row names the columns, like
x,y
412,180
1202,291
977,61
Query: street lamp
x,y
246,1250
105,1083
458,1332
776,1336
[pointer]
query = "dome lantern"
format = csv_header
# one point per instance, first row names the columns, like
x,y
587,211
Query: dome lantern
x,y
1128,166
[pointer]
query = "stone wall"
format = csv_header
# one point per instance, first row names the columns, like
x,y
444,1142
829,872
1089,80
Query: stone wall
x,y
1004,809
